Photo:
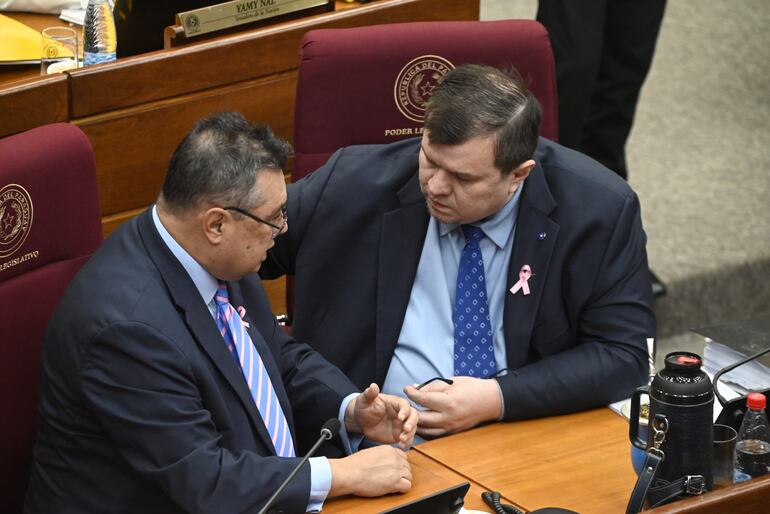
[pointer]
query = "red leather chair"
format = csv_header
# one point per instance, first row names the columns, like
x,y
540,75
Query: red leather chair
x,y
369,84
49,225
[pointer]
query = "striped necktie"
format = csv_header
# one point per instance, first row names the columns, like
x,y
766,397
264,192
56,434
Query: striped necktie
x,y
474,349
242,348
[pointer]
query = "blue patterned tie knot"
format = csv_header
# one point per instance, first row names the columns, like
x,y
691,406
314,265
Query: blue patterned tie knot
x,y
474,353
473,235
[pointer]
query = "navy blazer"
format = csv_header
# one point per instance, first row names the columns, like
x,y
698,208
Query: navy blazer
x,y
356,231
142,407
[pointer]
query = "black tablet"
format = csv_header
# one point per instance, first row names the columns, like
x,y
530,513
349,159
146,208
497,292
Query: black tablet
x,y
448,501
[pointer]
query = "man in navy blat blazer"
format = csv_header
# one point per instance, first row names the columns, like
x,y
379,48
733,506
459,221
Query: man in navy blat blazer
x,y
153,398
383,242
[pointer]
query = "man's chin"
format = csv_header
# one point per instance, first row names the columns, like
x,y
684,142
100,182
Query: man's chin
x,y
441,216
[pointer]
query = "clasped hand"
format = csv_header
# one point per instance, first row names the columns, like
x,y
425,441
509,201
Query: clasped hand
x,y
457,407
382,417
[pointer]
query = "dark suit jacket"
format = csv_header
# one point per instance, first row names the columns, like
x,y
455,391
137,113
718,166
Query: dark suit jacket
x,y
142,407
356,232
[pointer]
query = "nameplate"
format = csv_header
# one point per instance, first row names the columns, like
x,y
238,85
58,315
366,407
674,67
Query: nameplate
x,y
231,14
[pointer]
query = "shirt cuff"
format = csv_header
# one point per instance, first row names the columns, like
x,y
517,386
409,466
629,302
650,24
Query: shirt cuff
x,y
320,483
502,401
351,444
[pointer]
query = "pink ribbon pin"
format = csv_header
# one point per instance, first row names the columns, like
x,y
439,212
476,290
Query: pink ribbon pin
x,y
242,314
522,284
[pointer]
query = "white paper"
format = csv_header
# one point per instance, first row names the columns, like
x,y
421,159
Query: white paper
x,y
748,377
76,16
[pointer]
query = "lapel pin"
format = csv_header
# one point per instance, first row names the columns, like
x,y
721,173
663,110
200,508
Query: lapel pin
x,y
523,283
541,236
242,314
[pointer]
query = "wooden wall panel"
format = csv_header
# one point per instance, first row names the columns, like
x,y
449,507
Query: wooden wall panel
x,y
133,146
276,293
30,103
235,58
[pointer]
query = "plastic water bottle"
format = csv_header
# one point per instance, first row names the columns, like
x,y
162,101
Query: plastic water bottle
x,y
752,449
99,38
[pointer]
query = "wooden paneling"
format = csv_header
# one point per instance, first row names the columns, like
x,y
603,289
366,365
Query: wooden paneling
x,y
133,146
235,58
110,223
28,100
33,102
276,293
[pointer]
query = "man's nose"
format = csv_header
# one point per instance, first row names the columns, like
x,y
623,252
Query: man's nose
x,y
283,230
437,184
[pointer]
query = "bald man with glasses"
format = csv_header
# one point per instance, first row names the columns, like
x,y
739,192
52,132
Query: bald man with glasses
x,y
167,385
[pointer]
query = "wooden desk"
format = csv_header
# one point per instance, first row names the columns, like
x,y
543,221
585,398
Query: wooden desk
x,y
428,477
579,461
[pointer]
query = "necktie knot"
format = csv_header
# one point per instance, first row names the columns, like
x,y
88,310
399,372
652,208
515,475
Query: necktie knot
x,y
473,234
220,297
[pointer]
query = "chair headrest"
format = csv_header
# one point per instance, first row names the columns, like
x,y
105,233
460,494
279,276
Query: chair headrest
x,y
369,84
49,208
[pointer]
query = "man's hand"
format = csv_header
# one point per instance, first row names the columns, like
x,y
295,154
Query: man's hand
x,y
382,417
457,407
371,472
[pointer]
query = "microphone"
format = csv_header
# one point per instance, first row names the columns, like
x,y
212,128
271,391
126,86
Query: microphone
x,y
330,430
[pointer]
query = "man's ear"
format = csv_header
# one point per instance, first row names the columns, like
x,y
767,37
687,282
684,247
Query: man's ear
x,y
214,223
521,173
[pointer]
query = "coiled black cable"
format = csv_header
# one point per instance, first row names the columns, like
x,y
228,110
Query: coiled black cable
x,y
492,499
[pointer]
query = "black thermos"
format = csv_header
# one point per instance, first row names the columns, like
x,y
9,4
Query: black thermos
x,y
683,393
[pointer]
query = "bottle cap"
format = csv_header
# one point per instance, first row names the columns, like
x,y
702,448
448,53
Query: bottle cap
x,y
756,401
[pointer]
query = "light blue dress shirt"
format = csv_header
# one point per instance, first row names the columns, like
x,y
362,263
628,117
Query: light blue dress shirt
x,y
320,470
425,347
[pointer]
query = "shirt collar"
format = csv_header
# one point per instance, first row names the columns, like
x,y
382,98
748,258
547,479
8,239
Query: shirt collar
x,y
498,226
203,280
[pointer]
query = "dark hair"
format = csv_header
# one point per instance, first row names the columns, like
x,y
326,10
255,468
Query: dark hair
x,y
218,161
475,100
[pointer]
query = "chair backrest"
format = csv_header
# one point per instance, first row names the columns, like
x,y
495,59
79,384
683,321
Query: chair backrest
x,y
369,84
49,225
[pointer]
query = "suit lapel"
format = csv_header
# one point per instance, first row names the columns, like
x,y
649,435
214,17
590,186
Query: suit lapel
x,y
198,318
401,242
534,242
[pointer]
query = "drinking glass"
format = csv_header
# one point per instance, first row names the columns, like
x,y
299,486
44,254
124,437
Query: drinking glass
x,y
724,454
59,50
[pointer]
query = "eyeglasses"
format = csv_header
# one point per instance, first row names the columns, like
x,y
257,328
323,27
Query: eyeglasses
x,y
449,381
277,229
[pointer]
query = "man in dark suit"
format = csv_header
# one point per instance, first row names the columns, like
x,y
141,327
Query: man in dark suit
x,y
478,252
167,385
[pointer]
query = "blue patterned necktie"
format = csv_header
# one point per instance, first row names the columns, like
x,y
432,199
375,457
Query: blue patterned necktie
x,y
474,349
242,348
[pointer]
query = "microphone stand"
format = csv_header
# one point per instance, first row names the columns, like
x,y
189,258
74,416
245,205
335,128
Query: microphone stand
x,y
328,431
732,367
